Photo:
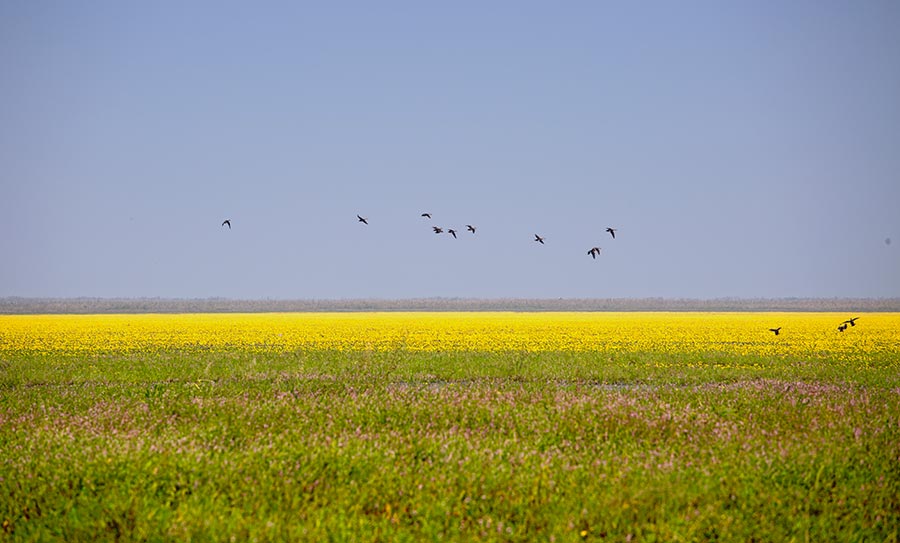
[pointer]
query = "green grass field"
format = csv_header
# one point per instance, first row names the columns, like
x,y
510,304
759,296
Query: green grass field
x,y
229,445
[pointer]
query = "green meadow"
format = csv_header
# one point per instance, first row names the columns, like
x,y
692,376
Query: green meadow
x,y
229,445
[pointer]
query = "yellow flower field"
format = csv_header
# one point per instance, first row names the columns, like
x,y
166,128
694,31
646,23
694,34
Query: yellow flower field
x,y
810,334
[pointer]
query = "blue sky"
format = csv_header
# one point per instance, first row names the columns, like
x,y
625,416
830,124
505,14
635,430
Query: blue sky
x,y
743,149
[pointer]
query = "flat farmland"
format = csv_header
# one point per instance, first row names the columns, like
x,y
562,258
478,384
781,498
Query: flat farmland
x,y
506,426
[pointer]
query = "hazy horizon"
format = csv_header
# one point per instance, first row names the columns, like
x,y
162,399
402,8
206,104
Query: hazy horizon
x,y
743,150
848,306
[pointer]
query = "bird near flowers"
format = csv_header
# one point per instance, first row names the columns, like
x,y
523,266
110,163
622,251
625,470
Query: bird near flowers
x,y
851,322
776,330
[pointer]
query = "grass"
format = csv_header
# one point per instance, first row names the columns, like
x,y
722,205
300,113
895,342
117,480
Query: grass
x,y
230,444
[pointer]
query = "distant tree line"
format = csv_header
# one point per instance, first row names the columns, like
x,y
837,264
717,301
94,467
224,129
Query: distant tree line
x,y
17,305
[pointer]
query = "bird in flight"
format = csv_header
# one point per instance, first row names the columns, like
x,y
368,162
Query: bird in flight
x,y
539,239
470,228
437,229
594,252
426,215
842,327
362,219
452,232
227,222
776,330
612,232
851,322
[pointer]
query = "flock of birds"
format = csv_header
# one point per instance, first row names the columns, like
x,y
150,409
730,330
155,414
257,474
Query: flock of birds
x,y
594,252
437,229
841,327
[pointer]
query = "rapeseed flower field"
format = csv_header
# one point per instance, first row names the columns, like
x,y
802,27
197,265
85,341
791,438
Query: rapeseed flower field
x,y
803,334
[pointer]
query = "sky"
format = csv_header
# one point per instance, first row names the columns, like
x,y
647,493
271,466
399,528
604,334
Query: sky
x,y
742,149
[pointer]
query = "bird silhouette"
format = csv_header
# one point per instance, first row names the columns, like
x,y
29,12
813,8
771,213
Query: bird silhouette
x,y
470,228
776,330
851,322
842,327
452,232
227,222
594,252
426,215
437,229
362,219
539,239
612,232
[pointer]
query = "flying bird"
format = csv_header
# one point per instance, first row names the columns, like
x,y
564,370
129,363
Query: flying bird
x,y
426,215
470,228
362,219
842,327
539,239
227,222
776,330
594,252
437,229
851,322
452,232
612,232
